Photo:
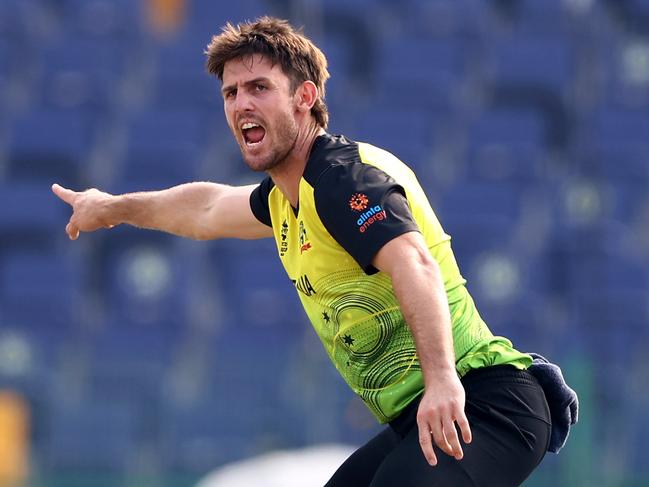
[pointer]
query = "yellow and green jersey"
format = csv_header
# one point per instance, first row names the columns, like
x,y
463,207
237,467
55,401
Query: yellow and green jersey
x,y
353,199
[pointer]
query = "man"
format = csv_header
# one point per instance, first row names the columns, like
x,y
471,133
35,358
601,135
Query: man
x,y
371,264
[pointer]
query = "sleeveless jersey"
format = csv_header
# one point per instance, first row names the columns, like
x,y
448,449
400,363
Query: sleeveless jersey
x,y
353,199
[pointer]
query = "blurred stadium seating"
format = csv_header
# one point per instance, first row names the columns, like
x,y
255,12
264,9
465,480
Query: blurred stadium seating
x,y
145,357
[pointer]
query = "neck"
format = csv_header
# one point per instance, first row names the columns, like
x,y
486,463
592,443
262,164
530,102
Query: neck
x,y
287,175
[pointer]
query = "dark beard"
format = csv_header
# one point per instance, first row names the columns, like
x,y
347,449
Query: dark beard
x,y
276,158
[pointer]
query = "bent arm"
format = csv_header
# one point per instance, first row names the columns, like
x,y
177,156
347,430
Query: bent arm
x,y
199,210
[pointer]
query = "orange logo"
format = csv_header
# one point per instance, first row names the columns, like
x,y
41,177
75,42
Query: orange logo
x,y
358,202
305,247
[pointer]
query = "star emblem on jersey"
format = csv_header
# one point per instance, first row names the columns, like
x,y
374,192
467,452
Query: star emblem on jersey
x,y
348,340
325,317
358,202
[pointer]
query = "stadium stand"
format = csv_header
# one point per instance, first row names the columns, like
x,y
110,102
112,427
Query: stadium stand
x,y
526,121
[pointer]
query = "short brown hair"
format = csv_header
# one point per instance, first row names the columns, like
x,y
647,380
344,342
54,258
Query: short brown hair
x,y
274,38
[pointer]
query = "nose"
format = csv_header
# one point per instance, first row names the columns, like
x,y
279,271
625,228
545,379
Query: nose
x,y
242,102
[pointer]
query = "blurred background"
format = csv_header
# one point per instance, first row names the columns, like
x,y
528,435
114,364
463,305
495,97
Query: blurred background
x,y
133,358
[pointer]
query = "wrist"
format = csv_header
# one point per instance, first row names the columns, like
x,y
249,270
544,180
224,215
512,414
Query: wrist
x,y
435,375
113,209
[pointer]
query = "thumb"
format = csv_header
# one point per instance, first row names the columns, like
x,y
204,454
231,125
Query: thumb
x,y
65,194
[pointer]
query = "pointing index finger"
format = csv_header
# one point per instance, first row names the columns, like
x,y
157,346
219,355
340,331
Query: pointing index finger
x,y
65,194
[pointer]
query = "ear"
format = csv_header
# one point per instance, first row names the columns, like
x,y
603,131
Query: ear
x,y
306,96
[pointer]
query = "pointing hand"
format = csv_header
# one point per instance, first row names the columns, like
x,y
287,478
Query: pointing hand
x,y
89,210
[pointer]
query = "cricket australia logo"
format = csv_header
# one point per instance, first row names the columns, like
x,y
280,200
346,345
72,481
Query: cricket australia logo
x,y
304,240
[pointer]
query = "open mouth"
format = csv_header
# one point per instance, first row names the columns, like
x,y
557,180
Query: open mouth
x,y
253,133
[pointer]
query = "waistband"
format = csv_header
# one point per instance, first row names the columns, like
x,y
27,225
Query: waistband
x,y
494,373
507,373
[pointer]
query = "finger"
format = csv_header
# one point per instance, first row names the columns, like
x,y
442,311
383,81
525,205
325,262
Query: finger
x,y
72,231
65,194
465,429
426,444
450,435
437,431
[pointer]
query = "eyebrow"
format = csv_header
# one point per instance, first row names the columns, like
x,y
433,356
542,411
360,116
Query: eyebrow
x,y
261,79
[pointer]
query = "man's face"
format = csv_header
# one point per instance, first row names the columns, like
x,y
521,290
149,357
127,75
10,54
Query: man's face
x,y
260,110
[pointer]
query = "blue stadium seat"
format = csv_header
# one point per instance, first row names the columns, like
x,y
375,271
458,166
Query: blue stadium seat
x,y
99,435
638,7
239,354
507,126
162,146
141,280
460,19
506,145
551,16
35,353
621,125
156,168
489,202
354,36
408,134
134,349
541,62
182,80
30,216
416,73
56,132
115,19
164,128
605,268
199,438
50,145
622,309
83,73
614,147
230,421
619,162
524,319
359,7
205,18
624,82
5,72
472,235
40,289
132,365
24,20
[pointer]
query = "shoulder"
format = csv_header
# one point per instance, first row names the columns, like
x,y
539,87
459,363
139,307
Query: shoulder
x,y
330,151
259,201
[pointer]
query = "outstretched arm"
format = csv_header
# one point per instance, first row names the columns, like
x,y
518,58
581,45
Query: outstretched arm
x,y
200,211
418,286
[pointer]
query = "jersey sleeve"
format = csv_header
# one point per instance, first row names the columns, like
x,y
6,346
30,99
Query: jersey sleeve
x,y
259,201
363,208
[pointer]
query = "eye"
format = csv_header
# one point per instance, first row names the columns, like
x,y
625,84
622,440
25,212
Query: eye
x,y
259,87
230,94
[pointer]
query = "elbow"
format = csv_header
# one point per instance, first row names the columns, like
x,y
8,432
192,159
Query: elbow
x,y
420,266
422,260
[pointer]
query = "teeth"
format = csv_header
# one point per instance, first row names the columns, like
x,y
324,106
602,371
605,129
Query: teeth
x,y
249,125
